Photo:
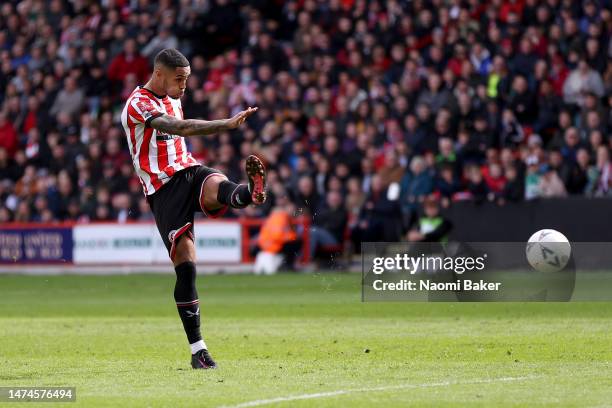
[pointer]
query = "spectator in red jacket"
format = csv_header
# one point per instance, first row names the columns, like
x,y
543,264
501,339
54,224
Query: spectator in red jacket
x,y
8,135
494,177
128,62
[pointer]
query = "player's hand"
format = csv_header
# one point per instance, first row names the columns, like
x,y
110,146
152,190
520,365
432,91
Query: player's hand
x,y
240,118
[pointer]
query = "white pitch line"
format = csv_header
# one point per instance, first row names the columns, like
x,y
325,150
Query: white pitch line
x,y
257,403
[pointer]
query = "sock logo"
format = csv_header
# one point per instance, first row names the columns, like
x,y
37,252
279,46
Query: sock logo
x,y
193,314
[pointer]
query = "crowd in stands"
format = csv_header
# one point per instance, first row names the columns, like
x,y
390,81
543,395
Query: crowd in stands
x,y
366,108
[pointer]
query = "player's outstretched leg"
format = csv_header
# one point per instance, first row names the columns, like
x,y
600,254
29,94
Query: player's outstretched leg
x,y
256,173
238,195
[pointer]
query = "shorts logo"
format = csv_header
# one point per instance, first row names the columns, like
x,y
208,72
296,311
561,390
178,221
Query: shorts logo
x,y
172,234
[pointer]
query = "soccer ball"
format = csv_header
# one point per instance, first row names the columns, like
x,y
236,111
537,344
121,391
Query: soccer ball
x,y
548,251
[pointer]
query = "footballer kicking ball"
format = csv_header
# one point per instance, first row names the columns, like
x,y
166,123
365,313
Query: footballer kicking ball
x,y
548,251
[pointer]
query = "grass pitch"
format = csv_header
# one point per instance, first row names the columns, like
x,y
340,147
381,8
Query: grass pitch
x,y
297,340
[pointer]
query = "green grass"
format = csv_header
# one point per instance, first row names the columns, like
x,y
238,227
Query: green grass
x,y
118,339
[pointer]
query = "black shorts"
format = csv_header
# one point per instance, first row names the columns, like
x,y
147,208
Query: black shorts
x,y
176,202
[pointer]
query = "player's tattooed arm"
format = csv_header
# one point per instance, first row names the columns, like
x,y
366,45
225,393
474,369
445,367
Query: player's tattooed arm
x,y
187,127
196,127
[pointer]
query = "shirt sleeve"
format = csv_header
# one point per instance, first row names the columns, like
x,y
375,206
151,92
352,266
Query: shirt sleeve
x,y
144,110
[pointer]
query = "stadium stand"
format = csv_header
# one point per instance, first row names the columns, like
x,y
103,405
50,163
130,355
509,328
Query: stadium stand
x,y
501,101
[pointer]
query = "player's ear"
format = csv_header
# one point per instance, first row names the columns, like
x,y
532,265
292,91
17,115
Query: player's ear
x,y
158,71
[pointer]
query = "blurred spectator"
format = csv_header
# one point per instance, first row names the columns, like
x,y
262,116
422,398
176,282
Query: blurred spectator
x,y
391,171
604,172
355,198
164,39
446,183
476,185
415,185
581,81
277,235
494,178
306,197
329,223
512,133
431,226
378,217
513,189
521,101
550,184
532,179
69,100
8,136
576,180
129,62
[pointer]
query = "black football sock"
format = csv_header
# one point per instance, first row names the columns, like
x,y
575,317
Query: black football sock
x,y
234,195
187,302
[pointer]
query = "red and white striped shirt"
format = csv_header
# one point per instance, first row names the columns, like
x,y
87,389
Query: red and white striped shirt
x,y
156,155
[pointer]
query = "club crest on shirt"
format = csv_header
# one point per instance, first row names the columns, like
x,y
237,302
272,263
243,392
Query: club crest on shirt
x,y
145,107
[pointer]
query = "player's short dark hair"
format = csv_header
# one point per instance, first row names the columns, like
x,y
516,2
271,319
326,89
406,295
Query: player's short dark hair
x,y
171,58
